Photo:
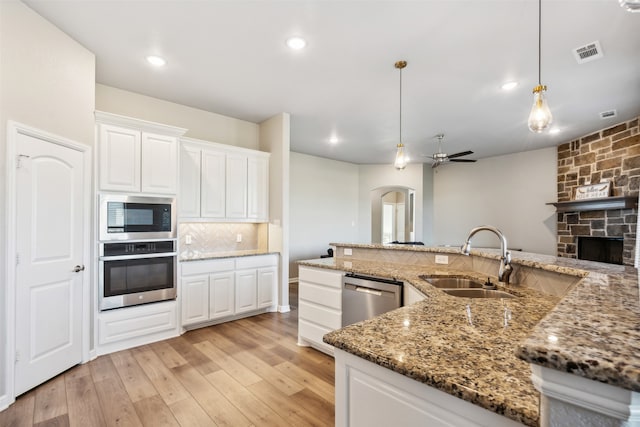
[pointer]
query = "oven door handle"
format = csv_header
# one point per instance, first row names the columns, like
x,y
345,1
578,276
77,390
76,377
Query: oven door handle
x,y
142,256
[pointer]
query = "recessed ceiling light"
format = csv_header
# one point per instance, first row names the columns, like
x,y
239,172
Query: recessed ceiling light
x,y
156,61
333,140
509,85
296,43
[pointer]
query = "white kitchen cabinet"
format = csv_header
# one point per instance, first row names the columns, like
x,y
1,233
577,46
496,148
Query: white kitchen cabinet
x,y
223,183
190,170
228,288
195,299
136,156
267,291
221,295
212,184
159,171
246,290
258,188
236,186
368,394
119,158
319,306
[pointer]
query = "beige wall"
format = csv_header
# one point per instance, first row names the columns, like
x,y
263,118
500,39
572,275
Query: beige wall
x,y
509,192
47,81
200,124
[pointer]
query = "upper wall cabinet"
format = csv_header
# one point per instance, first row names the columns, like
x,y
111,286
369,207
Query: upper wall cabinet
x,y
136,156
223,183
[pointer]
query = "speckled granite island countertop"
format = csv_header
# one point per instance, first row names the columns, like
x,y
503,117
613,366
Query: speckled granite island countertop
x,y
479,349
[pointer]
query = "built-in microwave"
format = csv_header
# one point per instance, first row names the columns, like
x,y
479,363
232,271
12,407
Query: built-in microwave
x,y
136,217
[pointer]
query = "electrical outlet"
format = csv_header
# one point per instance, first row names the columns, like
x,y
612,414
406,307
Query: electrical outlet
x,y
187,239
238,238
348,252
442,259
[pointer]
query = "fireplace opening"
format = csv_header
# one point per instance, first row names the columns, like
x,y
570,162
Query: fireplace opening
x,y
601,249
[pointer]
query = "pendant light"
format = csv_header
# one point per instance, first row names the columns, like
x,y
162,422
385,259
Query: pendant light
x,y
401,157
540,117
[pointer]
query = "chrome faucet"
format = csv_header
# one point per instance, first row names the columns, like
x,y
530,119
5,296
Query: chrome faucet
x,y
505,259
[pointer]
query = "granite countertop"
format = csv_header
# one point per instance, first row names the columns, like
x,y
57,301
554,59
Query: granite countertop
x,y
186,256
479,349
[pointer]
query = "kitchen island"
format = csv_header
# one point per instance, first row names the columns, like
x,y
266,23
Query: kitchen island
x,y
571,316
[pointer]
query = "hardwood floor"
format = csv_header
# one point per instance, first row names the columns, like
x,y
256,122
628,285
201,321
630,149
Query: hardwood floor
x,y
244,373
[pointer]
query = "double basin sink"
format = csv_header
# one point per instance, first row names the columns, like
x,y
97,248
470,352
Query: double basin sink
x,y
464,288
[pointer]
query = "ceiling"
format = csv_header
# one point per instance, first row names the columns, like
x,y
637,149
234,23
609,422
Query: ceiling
x,y
230,57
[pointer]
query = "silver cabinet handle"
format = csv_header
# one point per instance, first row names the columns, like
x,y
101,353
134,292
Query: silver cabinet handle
x,y
78,269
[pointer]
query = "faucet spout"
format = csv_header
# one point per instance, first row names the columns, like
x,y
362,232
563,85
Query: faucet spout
x,y
505,255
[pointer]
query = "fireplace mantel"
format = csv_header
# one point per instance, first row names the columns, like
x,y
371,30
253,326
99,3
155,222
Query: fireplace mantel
x,y
605,203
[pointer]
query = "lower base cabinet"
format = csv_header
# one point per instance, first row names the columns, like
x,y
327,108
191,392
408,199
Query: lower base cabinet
x,y
227,288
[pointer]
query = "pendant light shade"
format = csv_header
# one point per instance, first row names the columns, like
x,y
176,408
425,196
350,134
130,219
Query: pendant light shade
x,y
401,156
540,117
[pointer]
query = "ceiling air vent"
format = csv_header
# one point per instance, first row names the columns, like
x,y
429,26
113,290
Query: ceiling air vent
x,y
588,52
608,114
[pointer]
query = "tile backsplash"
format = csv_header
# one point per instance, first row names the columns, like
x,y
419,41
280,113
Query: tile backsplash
x,y
222,237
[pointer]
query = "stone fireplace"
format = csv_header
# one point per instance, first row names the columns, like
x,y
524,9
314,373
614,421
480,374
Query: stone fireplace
x,y
611,154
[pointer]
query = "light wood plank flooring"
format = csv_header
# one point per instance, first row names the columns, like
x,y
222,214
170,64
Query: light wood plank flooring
x,y
244,373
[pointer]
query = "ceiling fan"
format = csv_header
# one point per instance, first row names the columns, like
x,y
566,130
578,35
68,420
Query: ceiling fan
x,y
440,157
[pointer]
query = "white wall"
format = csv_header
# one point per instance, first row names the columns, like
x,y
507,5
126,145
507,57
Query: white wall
x,y
324,206
508,192
47,81
200,124
375,176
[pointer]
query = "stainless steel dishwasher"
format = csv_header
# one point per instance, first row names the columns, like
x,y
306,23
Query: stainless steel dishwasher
x,y
364,297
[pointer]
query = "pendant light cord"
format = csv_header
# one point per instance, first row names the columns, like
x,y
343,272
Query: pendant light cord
x,y
400,106
539,41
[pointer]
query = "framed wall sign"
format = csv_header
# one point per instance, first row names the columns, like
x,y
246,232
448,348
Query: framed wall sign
x,y
593,191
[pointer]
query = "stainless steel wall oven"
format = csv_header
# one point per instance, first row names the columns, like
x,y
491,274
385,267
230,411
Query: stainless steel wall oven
x,y
132,273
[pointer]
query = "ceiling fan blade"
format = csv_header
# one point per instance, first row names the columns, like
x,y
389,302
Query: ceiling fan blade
x,y
463,160
460,154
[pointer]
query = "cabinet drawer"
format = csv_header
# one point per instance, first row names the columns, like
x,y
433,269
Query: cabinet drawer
x,y
314,333
320,276
323,316
127,323
256,261
207,266
322,295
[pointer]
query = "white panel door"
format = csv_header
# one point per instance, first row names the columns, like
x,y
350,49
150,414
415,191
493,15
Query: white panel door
x,y
236,186
159,171
267,279
119,159
195,299
189,197
221,294
212,203
246,291
49,243
258,188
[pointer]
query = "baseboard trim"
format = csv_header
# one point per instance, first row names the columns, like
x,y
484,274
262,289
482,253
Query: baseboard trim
x,y
284,308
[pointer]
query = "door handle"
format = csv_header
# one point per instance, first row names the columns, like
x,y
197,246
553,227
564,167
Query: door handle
x,y
78,269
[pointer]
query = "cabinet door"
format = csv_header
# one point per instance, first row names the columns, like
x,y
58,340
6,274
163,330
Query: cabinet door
x,y
236,187
159,173
267,279
119,159
221,294
212,203
258,188
195,299
246,291
189,202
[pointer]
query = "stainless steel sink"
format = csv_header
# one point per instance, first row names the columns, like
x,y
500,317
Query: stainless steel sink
x,y
477,293
452,282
